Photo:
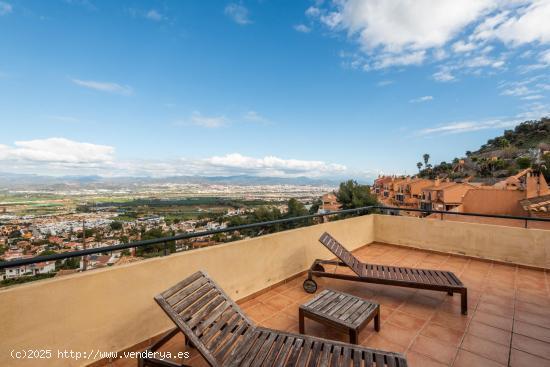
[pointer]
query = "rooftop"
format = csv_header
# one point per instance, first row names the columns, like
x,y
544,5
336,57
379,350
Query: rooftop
x,y
506,270
508,321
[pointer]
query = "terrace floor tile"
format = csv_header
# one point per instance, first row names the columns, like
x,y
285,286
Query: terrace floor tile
x,y
427,326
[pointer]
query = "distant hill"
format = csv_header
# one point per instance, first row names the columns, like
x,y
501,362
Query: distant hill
x,y
42,182
523,147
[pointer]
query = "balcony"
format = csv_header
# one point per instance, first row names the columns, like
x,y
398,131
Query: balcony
x,y
504,268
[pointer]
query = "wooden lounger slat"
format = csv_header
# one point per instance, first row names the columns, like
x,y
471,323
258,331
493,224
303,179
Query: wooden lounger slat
x,y
193,297
201,315
214,316
357,358
369,359
379,359
294,353
185,293
323,362
304,355
282,357
274,352
231,342
315,353
255,345
181,285
266,347
201,302
335,358
238,354
436,280
227,317
346,356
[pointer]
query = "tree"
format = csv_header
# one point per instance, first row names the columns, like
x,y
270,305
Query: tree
x,y
545,166
315,206
523,162
426,158
296,208
353,195
116,225
419,166
47,252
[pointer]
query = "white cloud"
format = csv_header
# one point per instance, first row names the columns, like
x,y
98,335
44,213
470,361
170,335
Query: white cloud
x,y
60,156
440,54
302,28
386,60
151,14
239,13
57,150
529,89
313,11
517,91
461,46
331,20
526,23
5,8
397,33
104,86
210,122
545,57
385,83
274,165
468,126
154,15
253,116
65,119
444,75
532,97
422,99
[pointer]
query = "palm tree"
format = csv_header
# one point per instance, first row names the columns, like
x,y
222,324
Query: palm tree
x,y
426,157
419,165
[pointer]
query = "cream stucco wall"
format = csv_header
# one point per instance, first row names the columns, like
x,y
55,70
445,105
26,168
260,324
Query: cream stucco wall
x,y
113,309
502,243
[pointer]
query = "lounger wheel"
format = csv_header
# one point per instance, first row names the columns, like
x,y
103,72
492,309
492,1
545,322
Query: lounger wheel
x,y
310,286
318,267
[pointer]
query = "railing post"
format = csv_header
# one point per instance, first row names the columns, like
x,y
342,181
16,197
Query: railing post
x,y
526,223
165,248
441,216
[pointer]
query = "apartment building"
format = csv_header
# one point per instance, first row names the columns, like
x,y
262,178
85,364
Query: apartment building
x,y
329,203
32,269
409,191
444,195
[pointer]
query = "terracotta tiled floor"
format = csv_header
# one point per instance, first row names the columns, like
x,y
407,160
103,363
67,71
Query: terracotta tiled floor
x,y
508,322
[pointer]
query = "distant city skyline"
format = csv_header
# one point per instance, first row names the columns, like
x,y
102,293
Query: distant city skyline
x,y
321,89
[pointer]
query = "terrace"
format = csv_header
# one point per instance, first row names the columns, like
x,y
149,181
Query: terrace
x,y
505,269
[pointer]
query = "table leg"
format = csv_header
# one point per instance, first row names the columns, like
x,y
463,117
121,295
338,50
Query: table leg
x,y
377,320
301,321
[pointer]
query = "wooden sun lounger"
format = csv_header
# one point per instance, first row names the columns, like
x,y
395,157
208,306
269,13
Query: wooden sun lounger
x,y
435,280
224,336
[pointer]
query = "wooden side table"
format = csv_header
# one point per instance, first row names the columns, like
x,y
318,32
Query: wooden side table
x,y
341,311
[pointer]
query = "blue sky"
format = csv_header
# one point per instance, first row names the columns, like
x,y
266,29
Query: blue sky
x,y
346,88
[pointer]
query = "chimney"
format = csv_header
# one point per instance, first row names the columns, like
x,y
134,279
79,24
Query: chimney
x,y
535,185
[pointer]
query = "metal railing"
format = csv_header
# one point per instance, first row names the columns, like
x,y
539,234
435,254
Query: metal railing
x,y
166,240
